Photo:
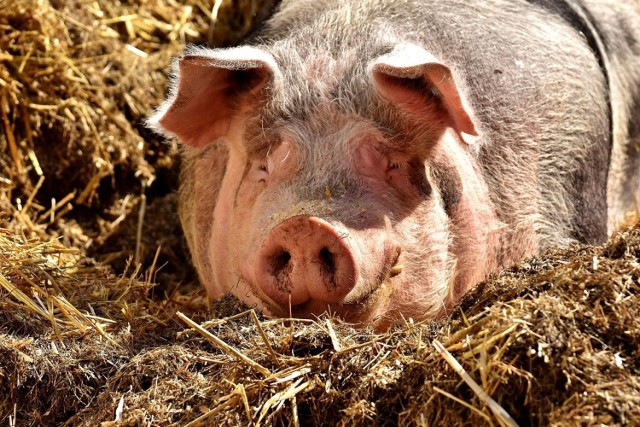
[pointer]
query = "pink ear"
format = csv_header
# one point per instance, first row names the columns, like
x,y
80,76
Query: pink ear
x,y
395,75
210,87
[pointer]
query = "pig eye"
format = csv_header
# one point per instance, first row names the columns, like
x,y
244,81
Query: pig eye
x,y
261,171
396,171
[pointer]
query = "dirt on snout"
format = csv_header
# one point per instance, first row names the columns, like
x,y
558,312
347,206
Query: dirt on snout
x,y
102,321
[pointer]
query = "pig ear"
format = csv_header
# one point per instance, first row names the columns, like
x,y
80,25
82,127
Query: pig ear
x,y
209,88
409,76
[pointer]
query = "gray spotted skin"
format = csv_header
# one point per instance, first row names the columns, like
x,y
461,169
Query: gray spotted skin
x,y
534,84
556,159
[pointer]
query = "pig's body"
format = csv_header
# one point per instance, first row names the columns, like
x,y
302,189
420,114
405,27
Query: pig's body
x,y
379,158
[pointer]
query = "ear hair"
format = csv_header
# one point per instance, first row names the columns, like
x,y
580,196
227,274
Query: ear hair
x,y
412,78
208,88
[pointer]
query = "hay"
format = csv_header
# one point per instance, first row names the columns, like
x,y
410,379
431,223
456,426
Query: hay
x,y
76,81
552,341
89,336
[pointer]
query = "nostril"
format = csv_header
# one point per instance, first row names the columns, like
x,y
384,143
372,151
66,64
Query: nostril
x,y
327,261
305,260
280,261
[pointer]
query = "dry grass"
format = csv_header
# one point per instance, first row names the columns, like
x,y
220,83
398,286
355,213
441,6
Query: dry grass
x,y
554,340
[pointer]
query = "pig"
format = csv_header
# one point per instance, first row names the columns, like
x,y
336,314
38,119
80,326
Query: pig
x,y
376,159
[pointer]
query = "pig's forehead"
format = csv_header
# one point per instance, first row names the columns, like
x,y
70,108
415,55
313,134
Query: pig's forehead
x,y
326,126
318,76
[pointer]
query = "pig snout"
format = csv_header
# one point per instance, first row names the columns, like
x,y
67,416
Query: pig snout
x,y
305,258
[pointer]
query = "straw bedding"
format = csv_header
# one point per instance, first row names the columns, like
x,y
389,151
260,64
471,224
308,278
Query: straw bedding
x,y
102,323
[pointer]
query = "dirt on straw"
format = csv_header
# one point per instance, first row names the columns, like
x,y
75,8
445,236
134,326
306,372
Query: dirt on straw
x,y
101,322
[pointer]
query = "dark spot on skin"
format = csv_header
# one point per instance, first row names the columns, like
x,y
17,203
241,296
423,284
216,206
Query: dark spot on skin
x,y
581,19
418,178
629,35
634,122
450,185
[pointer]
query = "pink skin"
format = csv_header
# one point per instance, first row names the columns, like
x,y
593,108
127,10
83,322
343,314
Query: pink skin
x,y
395,249
239,225
305,258
440,257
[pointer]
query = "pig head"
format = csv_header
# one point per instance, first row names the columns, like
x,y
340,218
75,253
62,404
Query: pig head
x,y
375,176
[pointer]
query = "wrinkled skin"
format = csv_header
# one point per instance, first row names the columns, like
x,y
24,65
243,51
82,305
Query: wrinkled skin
x,y
377,159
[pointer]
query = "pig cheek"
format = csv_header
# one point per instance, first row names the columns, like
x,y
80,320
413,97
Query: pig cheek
x,y
246,231
420,291
228,231
208,174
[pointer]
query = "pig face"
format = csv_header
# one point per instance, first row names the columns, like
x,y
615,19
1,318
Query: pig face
x,y
365,202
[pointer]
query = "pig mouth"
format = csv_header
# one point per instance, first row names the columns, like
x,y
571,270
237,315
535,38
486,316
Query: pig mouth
x,y
362,311
368,305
